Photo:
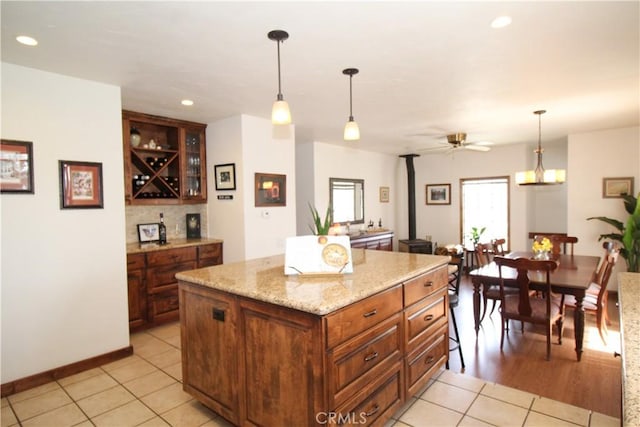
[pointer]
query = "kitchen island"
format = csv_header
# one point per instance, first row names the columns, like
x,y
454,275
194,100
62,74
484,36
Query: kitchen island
x,y
262,348
628,297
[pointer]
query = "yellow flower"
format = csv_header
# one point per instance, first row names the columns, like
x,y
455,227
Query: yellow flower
x,y
542,245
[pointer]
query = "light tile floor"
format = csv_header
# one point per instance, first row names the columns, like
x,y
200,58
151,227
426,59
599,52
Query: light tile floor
x,y
145,389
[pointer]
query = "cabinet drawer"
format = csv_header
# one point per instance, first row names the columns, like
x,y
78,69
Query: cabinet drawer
x,y
423,363
165,306
159,277
424,285
362,315
376,403
423,318
171,256
210,251
353,364
135,261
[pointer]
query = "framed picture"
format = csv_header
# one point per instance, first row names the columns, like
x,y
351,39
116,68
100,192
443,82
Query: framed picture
x,y
80,185
384,194
148,233
438,194
16,166
616,187
270,189
225,176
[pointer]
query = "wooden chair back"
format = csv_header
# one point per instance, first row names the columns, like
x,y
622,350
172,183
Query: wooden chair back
x,y
483,254
498,246
523,267
609,248
608,265
563,242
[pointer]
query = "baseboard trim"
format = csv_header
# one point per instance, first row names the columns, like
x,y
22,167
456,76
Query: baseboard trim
x,y
35,380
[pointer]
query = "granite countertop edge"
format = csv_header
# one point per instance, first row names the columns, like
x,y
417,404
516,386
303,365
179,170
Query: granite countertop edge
x,y
629,295
135,247
337,291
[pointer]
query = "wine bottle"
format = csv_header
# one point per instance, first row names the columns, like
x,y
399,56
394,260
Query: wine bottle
x,y
162,231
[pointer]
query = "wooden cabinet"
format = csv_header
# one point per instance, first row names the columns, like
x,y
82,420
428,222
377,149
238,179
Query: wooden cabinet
x,y
153,288
168,164
382,241
257,363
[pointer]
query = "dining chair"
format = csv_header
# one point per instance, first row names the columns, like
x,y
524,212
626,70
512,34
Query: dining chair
x,y
498,246
559,241
597,303
525,307
489,292
455,274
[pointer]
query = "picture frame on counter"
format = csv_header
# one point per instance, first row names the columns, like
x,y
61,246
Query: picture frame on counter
x,y
225,176
80,185
614,188
438,194
148,233
270,189
16,166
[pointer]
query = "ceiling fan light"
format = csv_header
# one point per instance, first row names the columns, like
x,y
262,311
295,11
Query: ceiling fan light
x,y
351,130
280,114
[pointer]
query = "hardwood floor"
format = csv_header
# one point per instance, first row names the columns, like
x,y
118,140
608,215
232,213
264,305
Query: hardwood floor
x,y
593,383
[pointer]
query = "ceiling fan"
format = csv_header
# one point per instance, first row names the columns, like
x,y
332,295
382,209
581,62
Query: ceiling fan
x,y
458,141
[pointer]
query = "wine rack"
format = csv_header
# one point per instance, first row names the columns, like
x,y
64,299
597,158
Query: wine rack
x,y
166,164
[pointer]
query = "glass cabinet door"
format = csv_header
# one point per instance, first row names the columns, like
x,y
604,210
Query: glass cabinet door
x,y
194,165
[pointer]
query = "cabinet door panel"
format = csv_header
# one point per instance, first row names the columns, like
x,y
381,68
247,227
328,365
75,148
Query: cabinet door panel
x,y
171,256
137,294
283,355
424,285
209,334
423,363
159,278
423,318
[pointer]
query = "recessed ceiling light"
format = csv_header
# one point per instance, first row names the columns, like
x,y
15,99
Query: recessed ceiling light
x,y
27,41
187,102
501,22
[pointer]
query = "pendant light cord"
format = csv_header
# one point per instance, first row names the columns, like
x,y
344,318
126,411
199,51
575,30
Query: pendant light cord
x,y
351,97
279,85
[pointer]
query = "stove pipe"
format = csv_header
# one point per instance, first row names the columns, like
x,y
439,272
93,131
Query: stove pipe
x,y
411,185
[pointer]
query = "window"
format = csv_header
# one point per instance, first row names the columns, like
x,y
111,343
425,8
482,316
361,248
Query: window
x,y
485,203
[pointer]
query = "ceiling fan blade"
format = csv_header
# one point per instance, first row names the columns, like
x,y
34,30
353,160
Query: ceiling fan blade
x,y
482,148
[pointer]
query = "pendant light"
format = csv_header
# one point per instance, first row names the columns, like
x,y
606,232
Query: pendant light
x,y
539,176
351,130
280,114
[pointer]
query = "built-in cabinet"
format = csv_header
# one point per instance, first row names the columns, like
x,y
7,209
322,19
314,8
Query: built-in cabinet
x,y
164,163
256,363
381,241
152,286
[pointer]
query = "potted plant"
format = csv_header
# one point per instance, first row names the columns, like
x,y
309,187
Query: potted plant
x,y
476,232
629,232
320,228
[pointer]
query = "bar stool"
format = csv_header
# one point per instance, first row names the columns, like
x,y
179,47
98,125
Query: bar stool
x,y
455,274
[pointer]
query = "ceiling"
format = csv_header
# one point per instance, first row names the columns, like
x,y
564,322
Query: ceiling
x,y
426,68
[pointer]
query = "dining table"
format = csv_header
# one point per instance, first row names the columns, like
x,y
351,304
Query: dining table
x,y
572,277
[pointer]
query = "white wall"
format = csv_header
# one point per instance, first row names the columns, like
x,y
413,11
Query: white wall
x,y
254,145
64,282
377,170
442,222
593,156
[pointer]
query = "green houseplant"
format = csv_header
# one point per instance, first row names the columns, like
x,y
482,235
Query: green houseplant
x,y
629,232
476,232
320,227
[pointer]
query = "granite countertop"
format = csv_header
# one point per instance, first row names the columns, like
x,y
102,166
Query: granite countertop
x,y
133,248
628,297
263,279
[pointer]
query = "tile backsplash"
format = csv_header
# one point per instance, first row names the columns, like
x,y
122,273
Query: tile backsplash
x,y
174,219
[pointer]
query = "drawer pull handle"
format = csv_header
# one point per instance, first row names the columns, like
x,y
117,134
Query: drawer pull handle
x,y
371,313
371,356
428,317
428,360
428,284
375,409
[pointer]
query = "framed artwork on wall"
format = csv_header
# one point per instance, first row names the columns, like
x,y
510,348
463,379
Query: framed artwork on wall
x,y
438,194
16,166
270,189
384,194
225,176
616,187
80,185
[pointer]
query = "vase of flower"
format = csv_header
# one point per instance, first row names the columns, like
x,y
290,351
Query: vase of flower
x,y
541,248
